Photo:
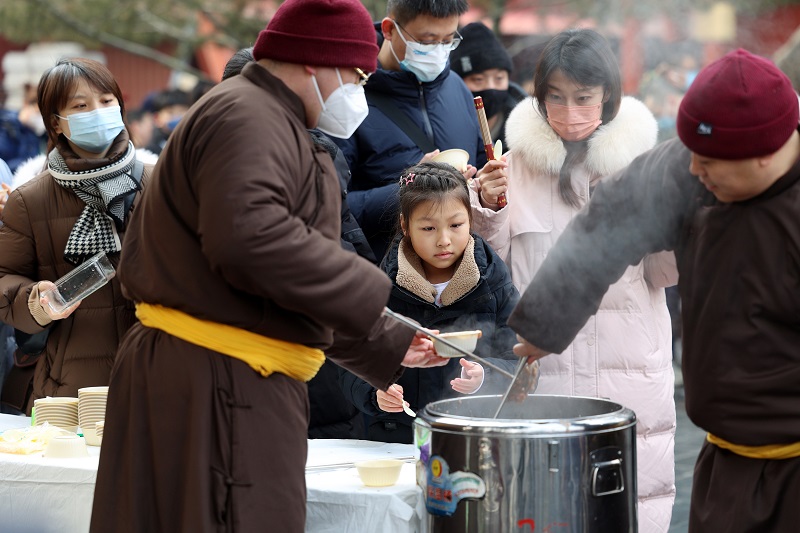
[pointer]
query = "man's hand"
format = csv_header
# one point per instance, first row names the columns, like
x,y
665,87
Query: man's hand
x,y
427,158
421,353
526,349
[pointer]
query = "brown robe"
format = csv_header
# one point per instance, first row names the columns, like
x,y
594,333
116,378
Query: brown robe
x,y
241,227
739,271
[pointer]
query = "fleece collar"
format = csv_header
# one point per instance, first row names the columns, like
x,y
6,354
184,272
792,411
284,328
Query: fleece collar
x,y
411,276
610,148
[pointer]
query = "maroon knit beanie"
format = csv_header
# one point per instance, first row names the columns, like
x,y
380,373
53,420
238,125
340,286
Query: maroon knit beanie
x,y
740,106
327,33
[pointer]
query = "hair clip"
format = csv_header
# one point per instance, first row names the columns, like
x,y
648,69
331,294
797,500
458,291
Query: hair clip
x,y
406,180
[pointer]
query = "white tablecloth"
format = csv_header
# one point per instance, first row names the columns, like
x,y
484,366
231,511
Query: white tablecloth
x,y
44,495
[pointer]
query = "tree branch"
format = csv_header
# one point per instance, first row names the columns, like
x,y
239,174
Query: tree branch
x,y
119,43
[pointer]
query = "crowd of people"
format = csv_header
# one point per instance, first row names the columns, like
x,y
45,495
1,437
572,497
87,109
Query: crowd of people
x,y
299,198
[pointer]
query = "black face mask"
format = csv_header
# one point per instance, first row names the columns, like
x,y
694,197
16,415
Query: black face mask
x,y
493,100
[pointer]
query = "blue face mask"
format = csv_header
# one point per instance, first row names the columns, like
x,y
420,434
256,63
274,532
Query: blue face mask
x,y
94,131
425,61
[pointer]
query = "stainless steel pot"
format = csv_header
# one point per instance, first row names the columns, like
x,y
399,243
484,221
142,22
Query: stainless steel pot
x,y
552,464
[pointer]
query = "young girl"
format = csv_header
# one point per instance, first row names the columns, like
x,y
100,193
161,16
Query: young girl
x,y
447,279
78,206
576,130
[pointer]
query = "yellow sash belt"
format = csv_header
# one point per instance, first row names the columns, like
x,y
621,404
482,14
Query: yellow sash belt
x,y
768,451
263,354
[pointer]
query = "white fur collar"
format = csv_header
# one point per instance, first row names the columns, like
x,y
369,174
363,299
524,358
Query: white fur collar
x,y
411,275
612,147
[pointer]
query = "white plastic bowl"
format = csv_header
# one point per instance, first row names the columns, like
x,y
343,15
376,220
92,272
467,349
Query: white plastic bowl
x,y
66,447
455,157
379,472
466,340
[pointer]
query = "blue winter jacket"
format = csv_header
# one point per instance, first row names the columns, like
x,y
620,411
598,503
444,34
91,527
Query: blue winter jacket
x,y
18,143
379,151
486,306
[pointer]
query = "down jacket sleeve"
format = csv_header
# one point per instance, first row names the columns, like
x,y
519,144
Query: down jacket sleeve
x,y
17,265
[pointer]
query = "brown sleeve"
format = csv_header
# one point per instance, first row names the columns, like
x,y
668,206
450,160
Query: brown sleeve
x,y
375,358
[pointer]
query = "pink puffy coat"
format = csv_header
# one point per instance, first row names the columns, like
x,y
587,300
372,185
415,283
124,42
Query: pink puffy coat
x,y
624,352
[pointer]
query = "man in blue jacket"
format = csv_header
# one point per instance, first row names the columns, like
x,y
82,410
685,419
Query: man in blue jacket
x,y
414,76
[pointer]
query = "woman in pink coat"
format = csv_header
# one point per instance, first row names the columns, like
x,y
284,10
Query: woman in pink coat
x,y
577,130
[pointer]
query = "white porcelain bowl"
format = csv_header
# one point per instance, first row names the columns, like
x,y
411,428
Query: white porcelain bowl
x,y
467,340
66,447
379,472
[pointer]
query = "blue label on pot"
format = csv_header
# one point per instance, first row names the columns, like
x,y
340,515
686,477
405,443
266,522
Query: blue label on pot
x,y
444,490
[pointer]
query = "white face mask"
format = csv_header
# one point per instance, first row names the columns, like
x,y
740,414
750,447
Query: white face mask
x,y
425,61
344,110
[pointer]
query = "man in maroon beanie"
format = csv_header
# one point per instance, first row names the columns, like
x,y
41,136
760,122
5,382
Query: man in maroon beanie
x,y
240,283
725,197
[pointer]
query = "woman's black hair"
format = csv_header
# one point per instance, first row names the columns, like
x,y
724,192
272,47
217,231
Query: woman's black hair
x,y
431,182
585,57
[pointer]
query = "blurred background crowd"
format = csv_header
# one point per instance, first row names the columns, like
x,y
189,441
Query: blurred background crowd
x,y
166,55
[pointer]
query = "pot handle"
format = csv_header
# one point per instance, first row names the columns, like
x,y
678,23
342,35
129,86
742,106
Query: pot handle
x,y
607,475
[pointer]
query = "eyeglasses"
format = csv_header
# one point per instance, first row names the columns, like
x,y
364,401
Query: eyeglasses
x,y
364,78
428,47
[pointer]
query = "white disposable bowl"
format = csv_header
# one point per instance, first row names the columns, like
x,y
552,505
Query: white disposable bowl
x,y
455,157
66,447
379,472
466,340
90,435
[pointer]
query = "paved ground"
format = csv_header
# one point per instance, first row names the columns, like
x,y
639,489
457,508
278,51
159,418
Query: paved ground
x,y
688,439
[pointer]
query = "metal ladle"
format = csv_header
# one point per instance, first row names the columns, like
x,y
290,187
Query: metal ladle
x,y
413,325
513,377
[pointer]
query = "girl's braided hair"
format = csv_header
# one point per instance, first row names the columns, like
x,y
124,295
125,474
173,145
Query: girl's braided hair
x,y
431,182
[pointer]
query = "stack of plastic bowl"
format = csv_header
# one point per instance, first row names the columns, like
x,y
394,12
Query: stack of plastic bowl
x,y
91,409
61,412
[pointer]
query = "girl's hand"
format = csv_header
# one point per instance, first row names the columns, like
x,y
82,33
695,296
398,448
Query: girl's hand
x,y
391,400
471,377
494,182
47,285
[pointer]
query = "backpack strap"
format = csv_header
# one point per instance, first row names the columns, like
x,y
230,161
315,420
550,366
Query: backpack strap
x,y
403,121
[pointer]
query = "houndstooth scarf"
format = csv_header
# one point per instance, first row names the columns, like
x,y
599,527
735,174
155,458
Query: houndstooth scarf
x,y
103,190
